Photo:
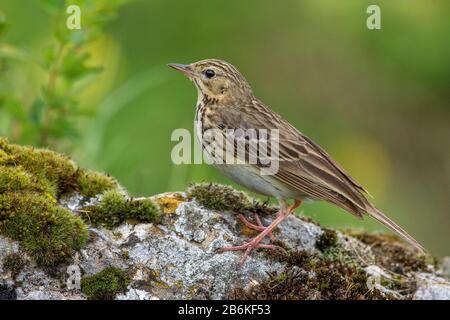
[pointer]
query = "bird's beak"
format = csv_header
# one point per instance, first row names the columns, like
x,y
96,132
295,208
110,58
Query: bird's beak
x,y
184,68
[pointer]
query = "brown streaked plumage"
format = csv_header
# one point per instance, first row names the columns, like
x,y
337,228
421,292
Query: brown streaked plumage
x,y
226,101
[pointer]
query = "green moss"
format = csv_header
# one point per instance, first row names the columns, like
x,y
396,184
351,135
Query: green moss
x,y
46,231
106,284
5,157
57,169
50,169
391,253
336,274
15,179
4,145
327,240
14,263
219,197
224,198
31,183
309,276
114,208
94,183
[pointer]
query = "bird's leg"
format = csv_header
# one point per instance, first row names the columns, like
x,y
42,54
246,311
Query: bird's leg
x,y
258,221
258,227
255,242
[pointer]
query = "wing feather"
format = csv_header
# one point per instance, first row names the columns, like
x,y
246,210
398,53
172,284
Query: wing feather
x,y
305,167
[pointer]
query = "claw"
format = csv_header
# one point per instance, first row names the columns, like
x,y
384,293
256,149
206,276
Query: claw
x,y
255,242
248,247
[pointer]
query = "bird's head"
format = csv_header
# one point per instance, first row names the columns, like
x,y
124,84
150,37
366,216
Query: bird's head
x,y
216,79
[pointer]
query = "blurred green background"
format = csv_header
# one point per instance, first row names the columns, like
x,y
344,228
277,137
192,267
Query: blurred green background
x,y
378,101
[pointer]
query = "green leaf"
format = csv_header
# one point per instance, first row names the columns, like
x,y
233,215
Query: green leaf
x,y
74,66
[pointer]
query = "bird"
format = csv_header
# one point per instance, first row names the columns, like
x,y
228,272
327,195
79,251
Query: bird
x,y
226,104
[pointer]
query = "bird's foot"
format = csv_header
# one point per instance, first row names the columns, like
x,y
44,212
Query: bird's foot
x,y
249,246
255,242
259,226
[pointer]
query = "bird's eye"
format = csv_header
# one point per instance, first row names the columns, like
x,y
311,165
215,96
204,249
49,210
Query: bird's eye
x,y
210,73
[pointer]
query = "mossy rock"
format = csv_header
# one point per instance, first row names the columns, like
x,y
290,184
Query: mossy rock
x,y
310,276
106,284
328,239
49,233
92,183
391,253
31,183
14,263
16,179
114,208
48,171
219,197
333,272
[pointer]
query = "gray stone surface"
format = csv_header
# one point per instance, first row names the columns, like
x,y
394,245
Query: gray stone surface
x,y
430,287
178,259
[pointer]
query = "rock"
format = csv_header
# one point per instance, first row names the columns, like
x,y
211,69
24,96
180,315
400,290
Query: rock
x,y
376,275
430,287
178,258
446,266
136,294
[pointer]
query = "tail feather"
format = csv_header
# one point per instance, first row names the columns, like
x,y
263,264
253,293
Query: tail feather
x,y
381,217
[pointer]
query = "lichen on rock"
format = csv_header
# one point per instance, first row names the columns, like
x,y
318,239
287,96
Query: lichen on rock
x,y
165,246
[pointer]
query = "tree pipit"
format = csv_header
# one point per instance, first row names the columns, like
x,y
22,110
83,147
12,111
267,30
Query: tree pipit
x,y
227,105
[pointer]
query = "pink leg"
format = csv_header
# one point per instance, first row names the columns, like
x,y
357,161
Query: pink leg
x,y
258,227
255,242
258,221
259,245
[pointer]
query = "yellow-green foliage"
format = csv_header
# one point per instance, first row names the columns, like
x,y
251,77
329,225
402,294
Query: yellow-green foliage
x,y
114,208
106,284
223,198
31,182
